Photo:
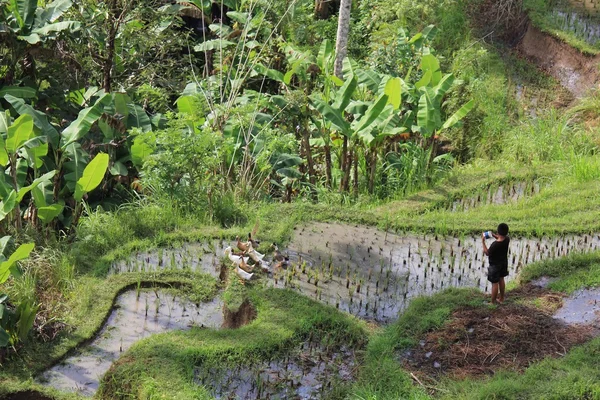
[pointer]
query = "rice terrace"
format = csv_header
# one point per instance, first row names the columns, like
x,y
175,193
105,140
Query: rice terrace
x,y
300,199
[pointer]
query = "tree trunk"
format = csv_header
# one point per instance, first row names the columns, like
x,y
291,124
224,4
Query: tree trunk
x,y
17,209
343,163
114,19
355,177
373,169
309,161
341,44
321,9
328,182
347,169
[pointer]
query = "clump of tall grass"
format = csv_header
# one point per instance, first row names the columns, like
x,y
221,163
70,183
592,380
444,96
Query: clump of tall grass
x,y
553,136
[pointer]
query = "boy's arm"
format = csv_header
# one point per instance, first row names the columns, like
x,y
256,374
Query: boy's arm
x,y
485,248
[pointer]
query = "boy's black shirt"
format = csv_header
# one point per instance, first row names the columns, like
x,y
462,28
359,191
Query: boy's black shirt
x,y
498,253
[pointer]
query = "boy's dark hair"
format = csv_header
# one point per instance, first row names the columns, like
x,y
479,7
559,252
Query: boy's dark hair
x,y
503,229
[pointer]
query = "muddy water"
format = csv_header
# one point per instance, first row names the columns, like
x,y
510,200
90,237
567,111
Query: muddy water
x,y
198,257
134,318
374,275
500,195
307,373
582,307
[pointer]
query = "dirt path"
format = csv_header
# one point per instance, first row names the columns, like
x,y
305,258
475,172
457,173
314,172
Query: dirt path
x,y
480,341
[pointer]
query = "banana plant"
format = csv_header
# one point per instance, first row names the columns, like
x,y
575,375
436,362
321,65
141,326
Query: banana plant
x,y
22,148
63,152
24,24
14,324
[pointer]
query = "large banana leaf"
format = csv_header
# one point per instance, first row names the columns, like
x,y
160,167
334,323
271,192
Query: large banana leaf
x,y
3,155
325,56
213,44
78,159
24,13
459,114
8,266
269,72
393,89
82,125
334,116
47,213
428,114
8,204
344,95
443,86
55,10
24,92
430,63
18,133
138,118
92,175
44,178
140,150
39,118
371,115
45,30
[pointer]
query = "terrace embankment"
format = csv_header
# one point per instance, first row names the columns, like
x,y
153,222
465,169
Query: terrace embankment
x,y
576,71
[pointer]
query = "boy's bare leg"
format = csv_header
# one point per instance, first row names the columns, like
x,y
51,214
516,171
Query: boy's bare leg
x,y
494,292
501,285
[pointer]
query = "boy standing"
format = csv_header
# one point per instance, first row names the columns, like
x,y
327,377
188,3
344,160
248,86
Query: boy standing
x,y
498,257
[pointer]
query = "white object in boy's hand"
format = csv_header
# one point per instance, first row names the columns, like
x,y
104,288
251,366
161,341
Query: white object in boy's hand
x,y
488,234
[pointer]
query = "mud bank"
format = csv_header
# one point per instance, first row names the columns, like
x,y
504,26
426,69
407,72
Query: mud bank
x,y
576,71
135,316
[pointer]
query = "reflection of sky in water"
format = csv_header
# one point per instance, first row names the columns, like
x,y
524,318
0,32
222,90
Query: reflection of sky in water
x,y
371,274
583,26
374,275
133,319
305,373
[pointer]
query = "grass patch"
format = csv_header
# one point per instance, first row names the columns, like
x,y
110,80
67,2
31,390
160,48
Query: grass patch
x,y
90,304
162,365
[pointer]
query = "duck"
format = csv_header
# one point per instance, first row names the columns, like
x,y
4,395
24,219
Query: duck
x,y
244,266
253,242
243,274
241,245
277,256
254,255
235,259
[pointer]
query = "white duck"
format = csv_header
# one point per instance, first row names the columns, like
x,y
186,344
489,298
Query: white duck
x,y
243,274
237,260
254,255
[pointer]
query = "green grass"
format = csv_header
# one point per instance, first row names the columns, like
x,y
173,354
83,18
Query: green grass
x,y
89,306
382,376
161,366
575,376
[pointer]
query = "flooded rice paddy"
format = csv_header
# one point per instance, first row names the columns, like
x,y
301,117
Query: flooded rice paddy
x,y
502,194
307,373
373,274
586,26
136,315
368,272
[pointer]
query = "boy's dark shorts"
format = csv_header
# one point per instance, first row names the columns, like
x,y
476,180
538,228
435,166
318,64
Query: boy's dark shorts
x,y
496,272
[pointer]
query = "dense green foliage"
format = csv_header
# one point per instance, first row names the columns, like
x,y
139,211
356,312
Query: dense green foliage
x,y
131,125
